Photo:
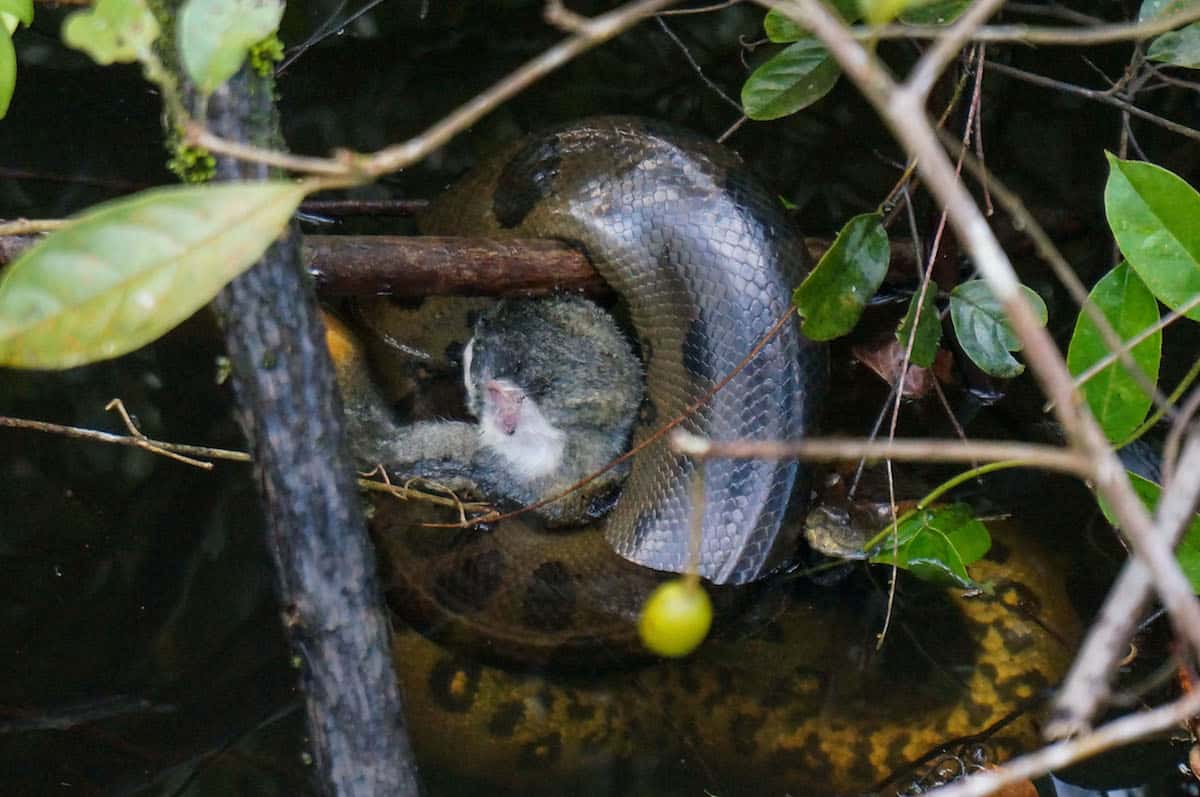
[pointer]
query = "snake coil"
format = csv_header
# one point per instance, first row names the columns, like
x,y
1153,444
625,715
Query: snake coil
x,y
705,260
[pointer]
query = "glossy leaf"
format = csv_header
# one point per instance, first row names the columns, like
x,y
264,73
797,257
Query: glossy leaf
x,y
112,31
1155,8
1153,215
794,78
937,12
215,35
928,329
16,11
781,29
938,545
1112,395
983,330
127,271
1188,552
8,71
1178,47
831,298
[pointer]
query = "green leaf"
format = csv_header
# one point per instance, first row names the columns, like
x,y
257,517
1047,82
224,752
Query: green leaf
x,y
1155,217
983,330
1112,395
1188,552
879,12
831,298
793,78
936,12
18,10
8,71
782,30
937,545
929,327
127,271
112,31
1156,8
1179,47
215,35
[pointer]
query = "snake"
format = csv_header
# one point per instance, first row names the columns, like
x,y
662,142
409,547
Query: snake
x,y
788,694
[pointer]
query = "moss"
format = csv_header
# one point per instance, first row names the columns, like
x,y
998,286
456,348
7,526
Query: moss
x,y
265,54
192,164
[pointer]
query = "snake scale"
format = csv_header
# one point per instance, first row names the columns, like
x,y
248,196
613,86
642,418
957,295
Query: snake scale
x,y
788,698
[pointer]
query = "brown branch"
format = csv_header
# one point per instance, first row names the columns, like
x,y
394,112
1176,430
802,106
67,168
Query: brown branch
x,y
371,265
836,449
1089,683
408,266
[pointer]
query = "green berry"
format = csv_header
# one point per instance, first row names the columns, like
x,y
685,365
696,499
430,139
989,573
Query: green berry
x,y
675,618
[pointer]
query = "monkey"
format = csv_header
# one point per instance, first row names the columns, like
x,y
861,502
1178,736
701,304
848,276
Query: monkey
x,y
554,386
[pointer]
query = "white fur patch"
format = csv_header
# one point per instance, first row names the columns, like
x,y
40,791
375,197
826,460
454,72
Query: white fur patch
x,y
534,449
467,354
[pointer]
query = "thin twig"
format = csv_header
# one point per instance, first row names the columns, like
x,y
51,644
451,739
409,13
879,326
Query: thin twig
x,y
1130,344
1048,252
30,226
702,9
1098,96
947,46
590,33
144,443
903,110
836,449
351,168
1028,34
119,406
1088,684
662,23
1056,756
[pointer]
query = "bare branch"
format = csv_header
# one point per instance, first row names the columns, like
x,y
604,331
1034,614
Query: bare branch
x,y
1098,96
31,226
947,46
1089,683
1114,734
142,442
352,168
836,449
1028,34
904,112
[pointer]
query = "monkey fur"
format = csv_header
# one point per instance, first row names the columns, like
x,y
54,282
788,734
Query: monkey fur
x,y
554,386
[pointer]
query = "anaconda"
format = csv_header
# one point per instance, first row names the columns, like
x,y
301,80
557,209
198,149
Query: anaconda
x,y
794,703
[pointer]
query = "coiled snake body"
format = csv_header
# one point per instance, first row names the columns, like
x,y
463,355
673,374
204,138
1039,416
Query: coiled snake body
x,y
705,261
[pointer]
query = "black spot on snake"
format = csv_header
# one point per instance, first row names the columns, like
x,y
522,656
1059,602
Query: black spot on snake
x,y
505,720
453,683
470,584
549,601
527,179
741,732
